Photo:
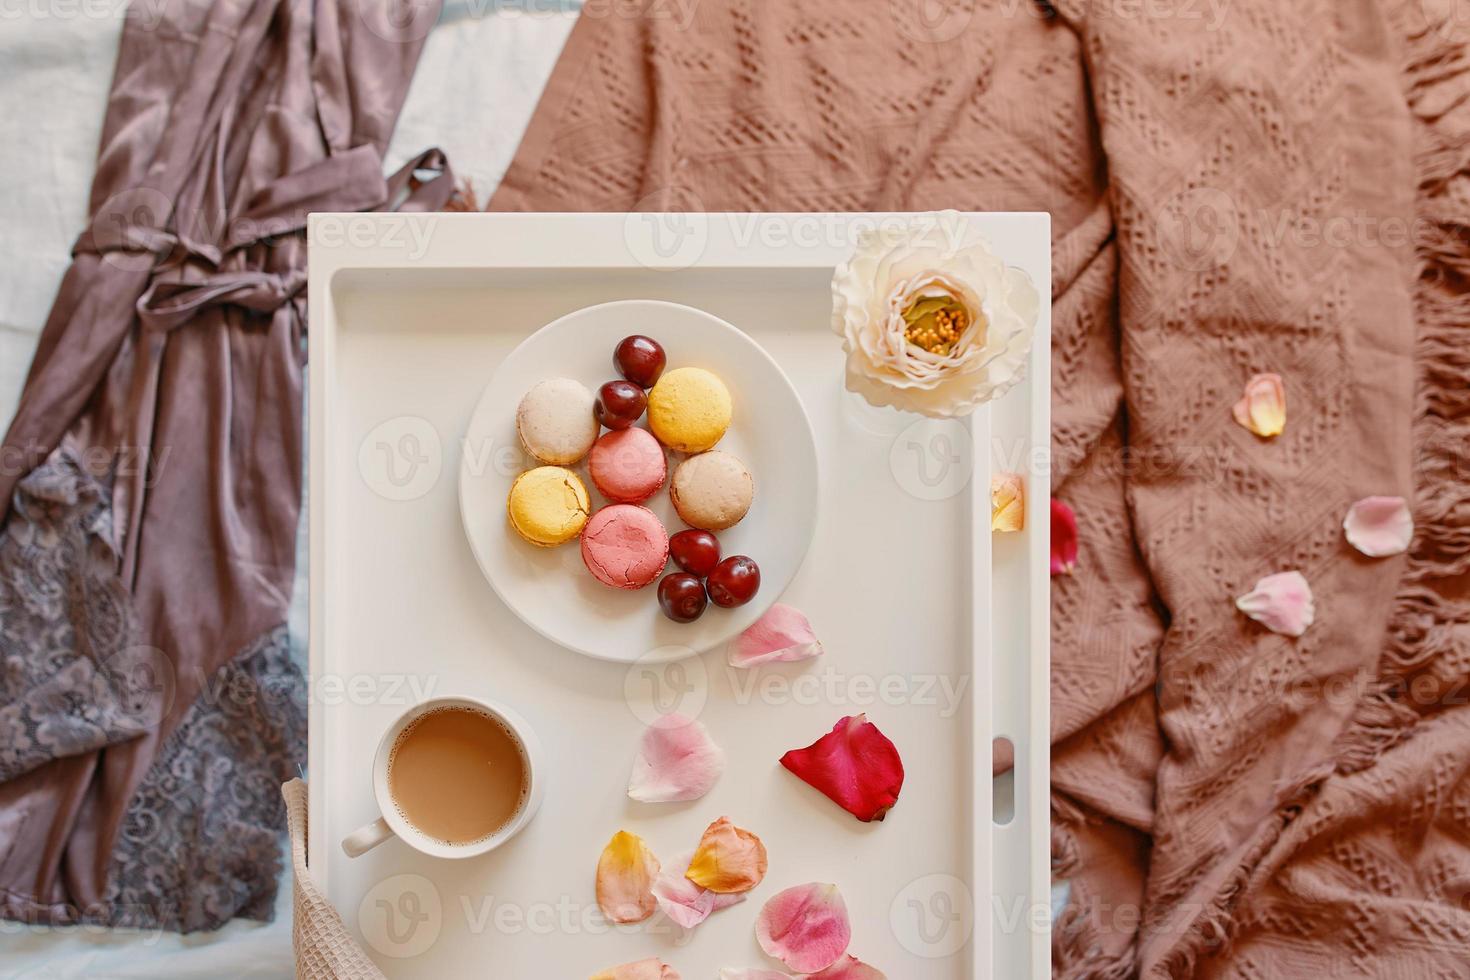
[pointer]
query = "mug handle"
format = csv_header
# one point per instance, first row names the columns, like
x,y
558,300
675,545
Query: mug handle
x,y
364,839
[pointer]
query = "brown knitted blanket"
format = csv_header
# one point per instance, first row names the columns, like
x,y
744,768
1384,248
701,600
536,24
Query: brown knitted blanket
x,y
1236,186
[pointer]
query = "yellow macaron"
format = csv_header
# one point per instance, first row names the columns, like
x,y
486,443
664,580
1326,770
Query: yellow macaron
x,y
689,409
548,506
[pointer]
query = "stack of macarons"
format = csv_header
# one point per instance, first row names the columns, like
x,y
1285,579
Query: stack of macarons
x,y
560,423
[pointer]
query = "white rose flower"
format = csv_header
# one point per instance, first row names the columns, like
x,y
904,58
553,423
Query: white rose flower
x,y
931,320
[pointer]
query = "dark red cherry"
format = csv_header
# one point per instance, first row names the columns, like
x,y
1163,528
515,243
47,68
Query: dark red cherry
x,y
697,552
619,404
682,597
640,359
734,582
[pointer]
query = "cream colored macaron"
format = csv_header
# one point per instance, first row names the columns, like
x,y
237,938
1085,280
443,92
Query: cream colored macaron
x,y
712,491
548,506
689,409
555,421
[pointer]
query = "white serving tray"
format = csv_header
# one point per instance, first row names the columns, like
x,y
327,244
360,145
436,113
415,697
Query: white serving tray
x,y
913,599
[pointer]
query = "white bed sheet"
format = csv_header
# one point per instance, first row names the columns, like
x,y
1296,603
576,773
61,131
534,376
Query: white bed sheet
x,y
482,70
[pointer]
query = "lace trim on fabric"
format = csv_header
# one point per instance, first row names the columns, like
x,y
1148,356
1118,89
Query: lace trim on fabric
x,y
71,680
200,841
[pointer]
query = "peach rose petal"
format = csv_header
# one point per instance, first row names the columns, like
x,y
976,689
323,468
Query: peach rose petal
x,y
1007,502
677,761
1063,538
1262,409
782,634
625,876
729,860
805,927
1379,526
649,969
854,765
848,968
1282,603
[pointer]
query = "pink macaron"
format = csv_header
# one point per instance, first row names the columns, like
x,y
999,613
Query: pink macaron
x,y
625,546
628,465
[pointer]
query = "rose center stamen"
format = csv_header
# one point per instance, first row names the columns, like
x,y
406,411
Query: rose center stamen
x,y
936,323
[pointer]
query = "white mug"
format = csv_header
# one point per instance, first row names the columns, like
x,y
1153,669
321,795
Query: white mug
x,y
392,822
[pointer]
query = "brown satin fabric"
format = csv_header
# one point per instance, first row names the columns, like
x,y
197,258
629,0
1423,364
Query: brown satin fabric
x,y
1212,823
172,359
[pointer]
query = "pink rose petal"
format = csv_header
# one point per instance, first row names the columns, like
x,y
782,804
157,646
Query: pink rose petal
x,y
847,968
724,901
677,761
1262,409
650,969
688,910
1063,538
729,974
685,903
1379,526
1282,603
805,927
782,634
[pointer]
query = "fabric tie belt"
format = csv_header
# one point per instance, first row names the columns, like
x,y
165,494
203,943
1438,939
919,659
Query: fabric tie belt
x,y
185,272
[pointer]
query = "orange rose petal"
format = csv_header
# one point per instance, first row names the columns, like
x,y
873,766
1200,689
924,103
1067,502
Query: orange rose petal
x,y
1007,502
649,969
728,860
625,875
1262,409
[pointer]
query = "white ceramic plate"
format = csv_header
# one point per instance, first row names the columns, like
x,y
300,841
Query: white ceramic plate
x,y
549,588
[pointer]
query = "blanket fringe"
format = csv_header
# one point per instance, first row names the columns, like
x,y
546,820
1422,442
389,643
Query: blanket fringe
x,y
1076,954
1430,618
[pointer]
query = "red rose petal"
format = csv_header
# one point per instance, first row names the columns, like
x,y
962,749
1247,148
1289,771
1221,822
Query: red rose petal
x,y
1063,538
855,765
